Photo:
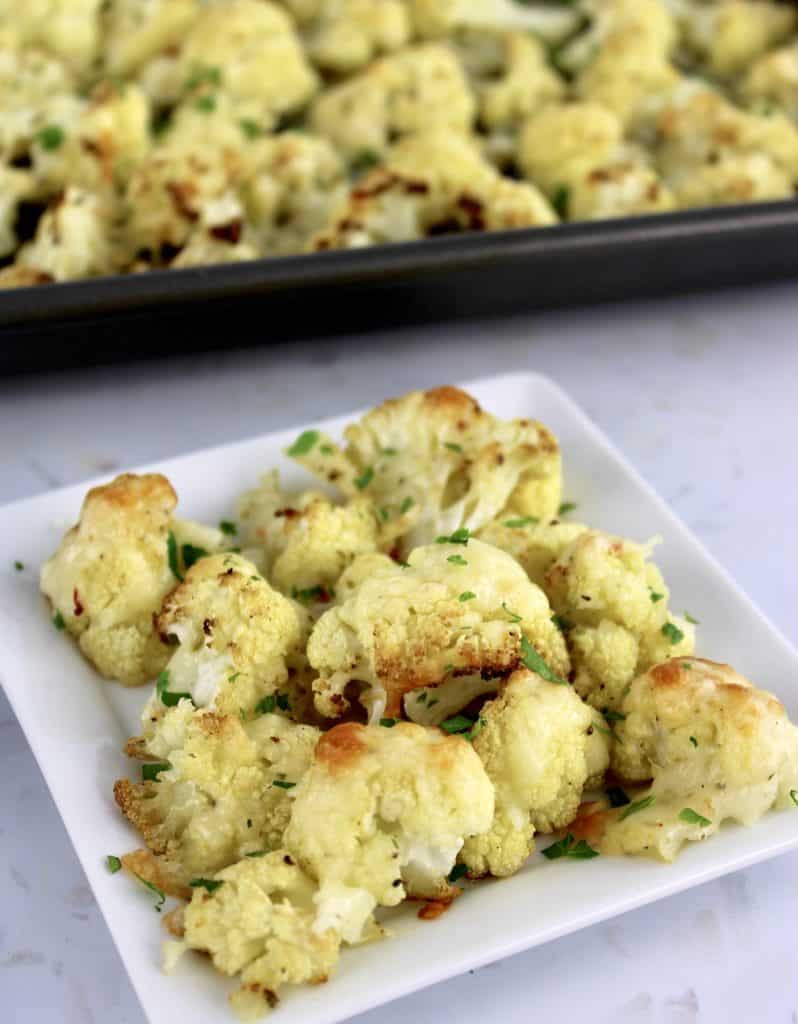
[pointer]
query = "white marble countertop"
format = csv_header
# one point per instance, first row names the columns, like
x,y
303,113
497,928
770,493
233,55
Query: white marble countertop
x,y
699,393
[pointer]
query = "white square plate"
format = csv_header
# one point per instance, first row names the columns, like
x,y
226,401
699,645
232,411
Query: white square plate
x,y
76,725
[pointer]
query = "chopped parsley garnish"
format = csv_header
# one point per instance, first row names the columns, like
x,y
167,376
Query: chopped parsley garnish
x,y
562,624
283,703
326,449
690,619
467,595
153,888
58,621
163,693
267,705
365,160
251,129
228,528
605,731
456,873
516,524
566,507
655,596
150,772
362,481
171,553
637,805
479,725
206,104
318,593
617,797
687,665
406,505
453,447
50,137
560,201
672,632
694,741
535,663
209,884
388,723
385,514
459,723
19,566
305,443
614,716
569,847
433,702
422,697
460,536
233,677
389,451
256,853
693,817
191,554
202,73
509,612
794,796
113,864
282,784
457,560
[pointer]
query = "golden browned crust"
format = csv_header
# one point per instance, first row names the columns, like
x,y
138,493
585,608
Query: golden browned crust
x,y
341,746
144,864
129,490
132,798
175,921
136,747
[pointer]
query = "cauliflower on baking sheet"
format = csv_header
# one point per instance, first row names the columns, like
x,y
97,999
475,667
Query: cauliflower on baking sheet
x,y
714,747
613,603
137,30
433,462
68,29
36,93
256,919
459,608
772,82
237,638
383,811
728,36
110,574
219,789
420,88
534,740
621,27
436,18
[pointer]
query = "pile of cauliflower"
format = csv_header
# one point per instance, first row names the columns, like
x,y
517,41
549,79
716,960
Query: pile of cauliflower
x,y
179,133
365,692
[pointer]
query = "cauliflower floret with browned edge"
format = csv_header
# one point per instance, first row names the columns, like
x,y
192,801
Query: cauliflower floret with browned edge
x,y
729,36
237,638
435,462
420,88
619,26
111,572
343,35
772,82
436,18
223,789
613,603
382,813
257,922
68,29
459,608
535,544
533,740
714,747
138,30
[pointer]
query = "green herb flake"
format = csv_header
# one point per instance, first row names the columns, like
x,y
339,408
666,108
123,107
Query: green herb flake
x,y
456,873
171,554
267,705
614,716
637,805
326,449
50,137
794,796
388,723
362,481
562,624
516,524
318,593
691,620
460,536
656,597
433,702
453,447
256,853
457,560
205,104
19,566
385,515
154,889
569,847
58,621
566,507
694,741
113,864
229,528
282,784
513,616
203,73
305,443
406,505
479,725
283,703
192,554
672,632
467,595
561,201
605,731
209,884
535,663
389,451
687,665
166,697
693,817
617,797
233,677
150,772
364,160
459,723
250,129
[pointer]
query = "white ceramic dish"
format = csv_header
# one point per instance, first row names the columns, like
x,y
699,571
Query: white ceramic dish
x,y
76,725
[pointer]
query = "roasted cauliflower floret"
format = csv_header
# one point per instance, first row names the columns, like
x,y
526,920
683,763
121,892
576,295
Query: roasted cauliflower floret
x,y
419,88
613,603
68,29
111,572
645,28
383,812
138,30
533,740
729,36
343,35
457,609
772,81
536,545
237,636
435,462
224,790
714,747
36,93
436,18
258,923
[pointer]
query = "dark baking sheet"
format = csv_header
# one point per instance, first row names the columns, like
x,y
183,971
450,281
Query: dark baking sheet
x,y
279,300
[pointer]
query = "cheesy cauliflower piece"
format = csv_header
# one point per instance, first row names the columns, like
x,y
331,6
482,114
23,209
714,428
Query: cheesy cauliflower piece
x,y
258,923
533,740
110,574
68,29
224,790
382,813
457,609
436,18
420,88
535,544
342,35
772,81
714,747
435,462
728,36
135,31
237,637
613,603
